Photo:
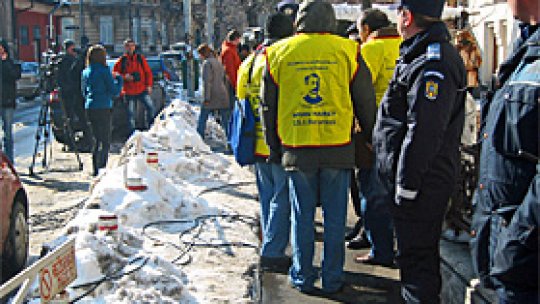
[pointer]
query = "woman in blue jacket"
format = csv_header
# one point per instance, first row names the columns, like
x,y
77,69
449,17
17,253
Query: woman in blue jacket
x,y
98,87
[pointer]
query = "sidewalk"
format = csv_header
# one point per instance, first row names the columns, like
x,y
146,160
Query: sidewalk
x,y
369,284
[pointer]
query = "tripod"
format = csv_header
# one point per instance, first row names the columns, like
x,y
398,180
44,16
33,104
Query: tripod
x,y
44,127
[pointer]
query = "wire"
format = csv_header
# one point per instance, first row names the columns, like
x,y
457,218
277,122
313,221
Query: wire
x,y
224,186
116,274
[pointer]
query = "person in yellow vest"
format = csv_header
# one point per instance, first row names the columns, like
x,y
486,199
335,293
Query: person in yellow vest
x,y
314,84
271,177
380,50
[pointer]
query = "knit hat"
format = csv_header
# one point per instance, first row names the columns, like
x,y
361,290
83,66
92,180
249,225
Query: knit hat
x,y
279,26
430,8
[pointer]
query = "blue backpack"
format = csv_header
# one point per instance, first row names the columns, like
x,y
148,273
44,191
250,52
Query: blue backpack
x,y
242,129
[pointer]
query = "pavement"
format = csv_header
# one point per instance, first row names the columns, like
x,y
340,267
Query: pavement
x,y
365,283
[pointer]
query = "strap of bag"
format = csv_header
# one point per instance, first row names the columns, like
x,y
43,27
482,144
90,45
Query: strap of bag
x,y
257,53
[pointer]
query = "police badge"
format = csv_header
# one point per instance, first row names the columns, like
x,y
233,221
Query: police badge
x,y
432,90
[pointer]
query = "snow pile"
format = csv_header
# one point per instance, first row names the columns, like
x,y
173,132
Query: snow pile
x,y
161,263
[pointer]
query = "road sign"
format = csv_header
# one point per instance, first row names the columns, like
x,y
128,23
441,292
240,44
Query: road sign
x,y
58,274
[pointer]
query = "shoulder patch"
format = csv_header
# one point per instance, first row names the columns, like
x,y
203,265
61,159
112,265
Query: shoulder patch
x,y
434,51
434,74
432,90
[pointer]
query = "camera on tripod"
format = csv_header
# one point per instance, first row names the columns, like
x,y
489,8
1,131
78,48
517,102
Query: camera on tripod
x,y
49,70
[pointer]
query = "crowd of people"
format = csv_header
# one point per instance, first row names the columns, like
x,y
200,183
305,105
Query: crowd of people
x,y
381,115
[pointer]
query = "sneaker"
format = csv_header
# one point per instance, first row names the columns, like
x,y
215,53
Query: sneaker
x,y
456,236
358,229
370,260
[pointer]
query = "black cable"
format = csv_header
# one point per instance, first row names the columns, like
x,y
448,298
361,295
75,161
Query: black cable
x,y
224,186
116,274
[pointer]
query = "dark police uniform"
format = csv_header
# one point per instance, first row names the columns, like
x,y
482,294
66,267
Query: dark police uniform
x,y
416,138
509,152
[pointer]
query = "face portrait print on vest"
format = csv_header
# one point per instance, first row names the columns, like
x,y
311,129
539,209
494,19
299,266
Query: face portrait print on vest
x,y
313,84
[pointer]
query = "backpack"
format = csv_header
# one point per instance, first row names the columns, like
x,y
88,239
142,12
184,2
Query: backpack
x,y
242,129
123,62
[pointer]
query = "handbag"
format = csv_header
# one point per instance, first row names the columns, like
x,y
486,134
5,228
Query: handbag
x,y
242,129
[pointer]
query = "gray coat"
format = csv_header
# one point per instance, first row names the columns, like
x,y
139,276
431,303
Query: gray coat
x,y
214,88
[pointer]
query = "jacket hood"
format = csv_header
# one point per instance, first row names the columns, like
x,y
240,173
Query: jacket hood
x,y
315,16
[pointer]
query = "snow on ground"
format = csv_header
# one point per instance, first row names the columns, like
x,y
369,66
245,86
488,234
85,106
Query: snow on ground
x,y
168,261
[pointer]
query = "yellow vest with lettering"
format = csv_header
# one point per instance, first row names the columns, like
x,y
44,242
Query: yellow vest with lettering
x,y
313,72
252,92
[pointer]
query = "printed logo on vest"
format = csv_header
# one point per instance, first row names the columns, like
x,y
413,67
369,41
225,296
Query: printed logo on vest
x,y
313,85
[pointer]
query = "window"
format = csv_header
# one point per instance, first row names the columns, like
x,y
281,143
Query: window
x,y
67,28
106,32
136,27
36,32
24,35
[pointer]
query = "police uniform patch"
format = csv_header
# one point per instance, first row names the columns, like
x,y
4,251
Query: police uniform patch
x,y
434,52
432,90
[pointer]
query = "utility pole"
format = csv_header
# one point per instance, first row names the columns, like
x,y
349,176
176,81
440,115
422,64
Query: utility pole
x,y
81,23
15,53
210,22
187,35
130,21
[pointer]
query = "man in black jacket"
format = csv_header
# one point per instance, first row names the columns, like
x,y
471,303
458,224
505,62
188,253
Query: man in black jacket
x,y
8,92
416,140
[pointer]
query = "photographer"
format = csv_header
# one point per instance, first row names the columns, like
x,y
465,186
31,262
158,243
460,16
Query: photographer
x,y
137,82
8,78
69,81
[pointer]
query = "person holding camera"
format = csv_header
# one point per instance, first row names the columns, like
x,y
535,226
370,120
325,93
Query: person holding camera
x,y
138,82
98,87
69,81
8,92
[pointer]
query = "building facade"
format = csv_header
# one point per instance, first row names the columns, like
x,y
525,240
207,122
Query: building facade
x,y
494,28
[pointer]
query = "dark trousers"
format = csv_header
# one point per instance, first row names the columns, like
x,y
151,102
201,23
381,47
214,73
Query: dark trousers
x,y
100,122
418,225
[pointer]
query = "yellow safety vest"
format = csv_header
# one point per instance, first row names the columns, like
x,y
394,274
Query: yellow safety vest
x,y
380,55
313,73
252,92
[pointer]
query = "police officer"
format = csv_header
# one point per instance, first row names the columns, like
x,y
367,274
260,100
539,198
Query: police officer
x,y
416,140
314,83
509,153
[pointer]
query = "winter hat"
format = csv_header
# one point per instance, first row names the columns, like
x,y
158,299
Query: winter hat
x,y
430,8
279,26
68,43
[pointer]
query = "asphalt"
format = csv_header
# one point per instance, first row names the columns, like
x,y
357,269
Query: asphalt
x,y
364,283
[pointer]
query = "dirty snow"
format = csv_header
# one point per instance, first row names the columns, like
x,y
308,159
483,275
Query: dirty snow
x,y
167,267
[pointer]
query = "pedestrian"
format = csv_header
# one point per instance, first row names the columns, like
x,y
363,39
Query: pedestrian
x,y
138,82
323,84
215,93
9,75
270,175
472,58
231,61
380,50
98,87
69,81
508,156
416,140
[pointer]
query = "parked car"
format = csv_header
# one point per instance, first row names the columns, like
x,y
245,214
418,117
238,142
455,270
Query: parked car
x,y
13,221
28,85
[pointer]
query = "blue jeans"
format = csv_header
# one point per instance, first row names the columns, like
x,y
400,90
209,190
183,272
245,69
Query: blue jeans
x,y
203,117
146,100
6,115
330,187
376,203
275,208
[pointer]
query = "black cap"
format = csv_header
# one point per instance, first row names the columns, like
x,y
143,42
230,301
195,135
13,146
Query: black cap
x,y
68,43
430,8
279,26
4,44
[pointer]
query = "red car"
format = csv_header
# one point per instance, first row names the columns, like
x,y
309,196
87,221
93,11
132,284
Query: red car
x,y
13,221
